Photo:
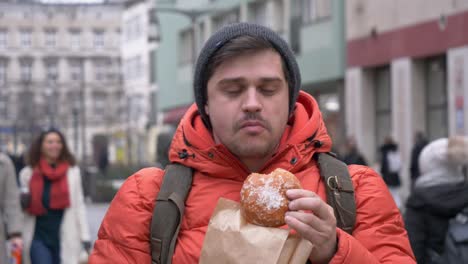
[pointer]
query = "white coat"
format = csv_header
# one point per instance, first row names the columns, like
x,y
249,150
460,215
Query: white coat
x,y
74,228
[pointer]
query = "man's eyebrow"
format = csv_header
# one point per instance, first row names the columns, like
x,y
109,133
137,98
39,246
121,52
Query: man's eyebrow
x,y
242,80
231,80
271,79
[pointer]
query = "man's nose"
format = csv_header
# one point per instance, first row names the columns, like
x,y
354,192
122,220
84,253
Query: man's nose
x,y
251,101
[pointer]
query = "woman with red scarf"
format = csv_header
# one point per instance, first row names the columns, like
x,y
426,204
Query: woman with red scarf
x,y
55,228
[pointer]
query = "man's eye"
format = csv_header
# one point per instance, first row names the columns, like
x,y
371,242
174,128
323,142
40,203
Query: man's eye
x,y
268,90
233,90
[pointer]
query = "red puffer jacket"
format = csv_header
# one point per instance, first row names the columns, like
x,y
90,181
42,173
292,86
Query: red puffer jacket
x,y
379,235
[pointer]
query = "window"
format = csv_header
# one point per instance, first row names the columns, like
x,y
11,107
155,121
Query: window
x,y
133,28
26,70
383,104
186,46
3,72
99,104
152,68
99,39
4,106
25,38
436,99
133,68
315,10
3,38
75,38
258,13
278,14
50,38
225,19
75,70
296,26
100,69
51,69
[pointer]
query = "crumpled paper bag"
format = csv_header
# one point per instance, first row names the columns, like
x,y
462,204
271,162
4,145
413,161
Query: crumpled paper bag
x,y
230,239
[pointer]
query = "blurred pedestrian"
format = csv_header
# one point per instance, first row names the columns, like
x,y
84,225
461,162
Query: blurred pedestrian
x,y
352,153
163,145
438,195
390,167
420,142
10,211
55,228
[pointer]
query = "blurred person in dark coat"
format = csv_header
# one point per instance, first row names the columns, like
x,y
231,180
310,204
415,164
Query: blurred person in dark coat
x,y
420,142
352,154
440,192
11,217
391,164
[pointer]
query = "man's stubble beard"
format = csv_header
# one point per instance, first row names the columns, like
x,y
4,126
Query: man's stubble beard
x,y
252,147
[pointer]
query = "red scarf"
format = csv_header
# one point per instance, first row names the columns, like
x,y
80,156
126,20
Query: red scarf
x,y
59,195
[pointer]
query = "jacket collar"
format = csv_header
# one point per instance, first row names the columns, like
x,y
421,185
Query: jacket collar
x,y
193,144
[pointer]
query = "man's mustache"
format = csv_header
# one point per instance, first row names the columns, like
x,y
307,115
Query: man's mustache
x,y
252,116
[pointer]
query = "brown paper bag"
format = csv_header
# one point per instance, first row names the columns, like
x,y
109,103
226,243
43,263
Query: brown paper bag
x,y
230,239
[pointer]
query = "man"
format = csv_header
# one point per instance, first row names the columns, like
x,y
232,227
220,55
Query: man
x,y
250,117
420,142
353,155
11,216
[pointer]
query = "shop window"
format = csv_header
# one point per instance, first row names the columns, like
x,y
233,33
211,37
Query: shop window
x,y
436,99
383,102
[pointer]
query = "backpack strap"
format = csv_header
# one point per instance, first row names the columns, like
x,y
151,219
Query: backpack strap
x,y
168,212
340,190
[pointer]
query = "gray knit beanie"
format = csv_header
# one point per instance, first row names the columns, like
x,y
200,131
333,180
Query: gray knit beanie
x,y
225,34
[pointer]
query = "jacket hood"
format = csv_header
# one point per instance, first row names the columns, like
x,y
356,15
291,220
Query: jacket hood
x,y
193,144
445,200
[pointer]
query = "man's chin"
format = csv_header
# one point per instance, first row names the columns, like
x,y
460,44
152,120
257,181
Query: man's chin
x,y
251,150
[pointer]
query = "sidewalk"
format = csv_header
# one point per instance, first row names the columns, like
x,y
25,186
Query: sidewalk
x,y
95,214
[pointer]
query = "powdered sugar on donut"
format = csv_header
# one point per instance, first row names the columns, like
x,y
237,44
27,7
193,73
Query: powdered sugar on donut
x,y
269,195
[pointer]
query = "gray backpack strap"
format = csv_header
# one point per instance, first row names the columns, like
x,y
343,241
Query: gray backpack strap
x,y
340,190
168,212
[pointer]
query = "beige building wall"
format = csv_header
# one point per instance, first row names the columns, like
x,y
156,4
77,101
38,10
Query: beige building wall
x,y
364,15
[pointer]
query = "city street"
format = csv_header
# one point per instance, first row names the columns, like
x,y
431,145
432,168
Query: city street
x,y
95,214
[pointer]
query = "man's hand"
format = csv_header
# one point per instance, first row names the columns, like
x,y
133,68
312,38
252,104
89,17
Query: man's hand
x,y
315,221
16,241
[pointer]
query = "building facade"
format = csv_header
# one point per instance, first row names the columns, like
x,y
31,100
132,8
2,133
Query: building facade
x,y
313,28
407,63
139,41
60,67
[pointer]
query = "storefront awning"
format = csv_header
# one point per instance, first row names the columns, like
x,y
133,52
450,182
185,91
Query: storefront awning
x,y
173,116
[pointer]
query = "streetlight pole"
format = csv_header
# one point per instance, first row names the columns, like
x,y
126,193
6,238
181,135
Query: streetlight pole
x,y
83,111
48,94
75,126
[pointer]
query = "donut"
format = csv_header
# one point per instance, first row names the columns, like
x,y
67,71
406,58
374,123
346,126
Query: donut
x,y
263,197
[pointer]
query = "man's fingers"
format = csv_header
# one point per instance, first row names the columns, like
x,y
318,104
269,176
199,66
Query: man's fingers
x,y
302,228
313,204
293,194
307,218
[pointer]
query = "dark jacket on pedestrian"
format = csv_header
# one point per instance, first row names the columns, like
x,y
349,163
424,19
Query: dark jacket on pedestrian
x,y
415,152
439,194
390,176
427,216
354,157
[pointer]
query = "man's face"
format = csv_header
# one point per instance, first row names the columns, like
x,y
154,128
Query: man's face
x,y
247,104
